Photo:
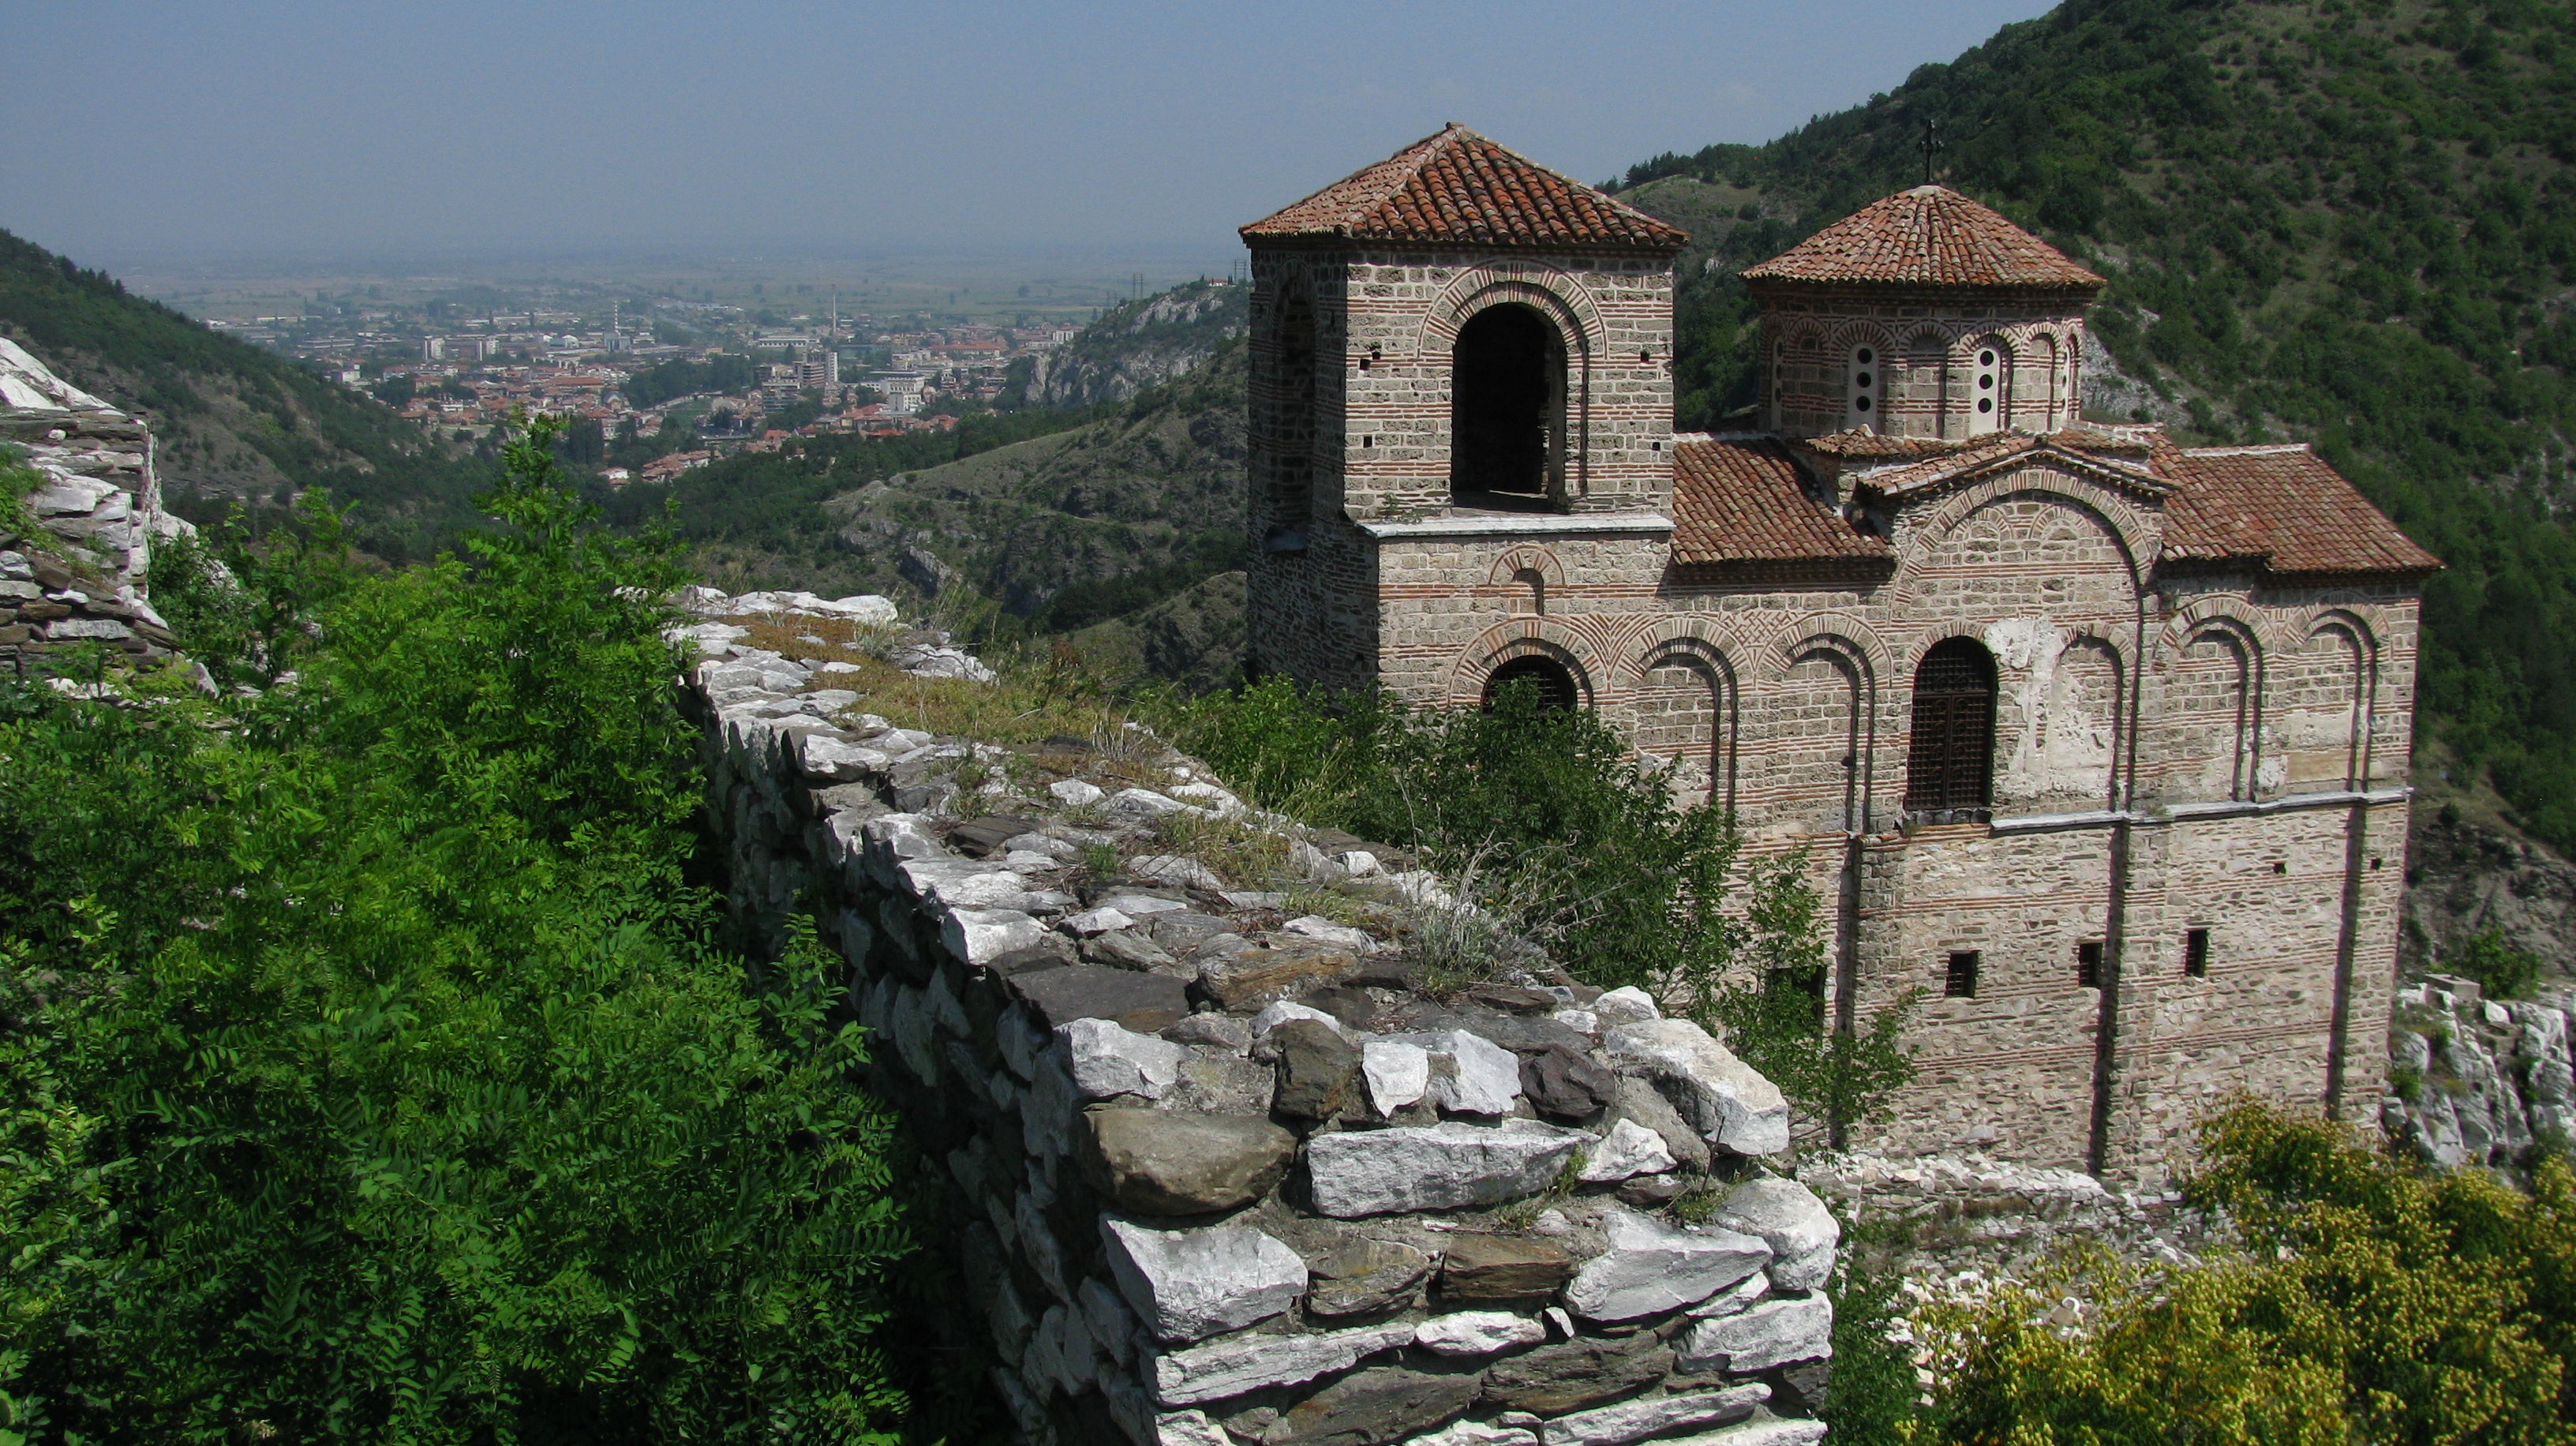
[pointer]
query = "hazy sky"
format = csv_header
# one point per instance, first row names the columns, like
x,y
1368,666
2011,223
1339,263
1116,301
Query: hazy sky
x,y
367,128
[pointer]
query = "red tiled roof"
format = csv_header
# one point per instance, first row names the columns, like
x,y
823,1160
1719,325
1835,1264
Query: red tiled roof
x,y
1458,188
1743,499
2282,505
1928,236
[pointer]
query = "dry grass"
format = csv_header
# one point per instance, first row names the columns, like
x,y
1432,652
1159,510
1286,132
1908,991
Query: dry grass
x,y
1014,710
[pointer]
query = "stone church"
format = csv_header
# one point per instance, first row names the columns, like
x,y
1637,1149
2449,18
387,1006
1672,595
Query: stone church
x,y
2098,742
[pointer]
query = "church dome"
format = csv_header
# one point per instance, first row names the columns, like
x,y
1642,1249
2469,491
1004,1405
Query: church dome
x,y
1928,236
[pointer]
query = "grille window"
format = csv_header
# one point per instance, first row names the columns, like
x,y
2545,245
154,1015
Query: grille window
x,y
1949,767
2088,964
1961,981
2195,953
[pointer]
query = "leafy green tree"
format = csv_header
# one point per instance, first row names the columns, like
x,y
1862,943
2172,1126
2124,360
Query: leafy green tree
x,y
372,1073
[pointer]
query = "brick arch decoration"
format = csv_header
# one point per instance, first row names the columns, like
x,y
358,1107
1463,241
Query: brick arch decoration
x,y
2365,684
2225,618
1689,641
2139,538
1527,557
1525,637
1857,645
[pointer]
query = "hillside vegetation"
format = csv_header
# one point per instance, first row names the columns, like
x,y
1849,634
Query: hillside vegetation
x,y
1045,519
2351,222
1129,348
234,423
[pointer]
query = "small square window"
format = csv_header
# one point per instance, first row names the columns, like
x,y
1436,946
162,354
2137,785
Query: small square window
x,y
2088,964
1961,982
2195,953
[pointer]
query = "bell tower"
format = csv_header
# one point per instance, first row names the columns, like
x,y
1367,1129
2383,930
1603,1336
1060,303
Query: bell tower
x,y
1456,340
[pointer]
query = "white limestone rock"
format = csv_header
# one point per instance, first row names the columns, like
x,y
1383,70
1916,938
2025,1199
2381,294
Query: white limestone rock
x,y
980,936
1725,1099
1178,870
1472,1075
1477,1333
1188,1428
1280,1013
1187,1284
1105,1316
1107,1060
1230,1368
821,755
1774,1333
1144,803
1629,1150
1801,1232
1477,1433
1626,1005
1739,1297
1651,1268
1097,921
1450,1166
1398,1073
1074,793
1765,1431
1316,926
1653,1416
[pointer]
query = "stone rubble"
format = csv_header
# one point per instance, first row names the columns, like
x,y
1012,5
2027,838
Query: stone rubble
x,y
1223,1174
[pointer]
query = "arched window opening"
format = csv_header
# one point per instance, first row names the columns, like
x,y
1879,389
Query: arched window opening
x,y
1988,405
1949,767
1779,382
1532,599
1545,678
1507,407
1867,386
1293,487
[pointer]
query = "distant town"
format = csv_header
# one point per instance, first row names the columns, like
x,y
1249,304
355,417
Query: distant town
x,y
683,380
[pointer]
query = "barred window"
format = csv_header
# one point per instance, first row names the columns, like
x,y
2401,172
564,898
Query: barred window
x,y
1546,678
2195,953
1960,981
1949,767
2088,964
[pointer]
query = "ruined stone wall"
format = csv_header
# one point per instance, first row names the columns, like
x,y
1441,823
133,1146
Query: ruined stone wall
x,y
1223,1176
74,582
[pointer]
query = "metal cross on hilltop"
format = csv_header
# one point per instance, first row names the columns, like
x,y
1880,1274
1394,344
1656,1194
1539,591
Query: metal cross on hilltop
x,y
1930,146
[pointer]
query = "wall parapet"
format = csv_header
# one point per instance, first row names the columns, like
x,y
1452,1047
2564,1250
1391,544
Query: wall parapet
x,y
1226,1172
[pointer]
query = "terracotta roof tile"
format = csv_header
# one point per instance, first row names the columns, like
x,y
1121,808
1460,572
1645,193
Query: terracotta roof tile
x,y
1458,188
1743,499
2283,506
1928,236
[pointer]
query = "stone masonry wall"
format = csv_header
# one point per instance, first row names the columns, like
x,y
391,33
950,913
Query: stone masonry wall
x,y
75,582
1225,1176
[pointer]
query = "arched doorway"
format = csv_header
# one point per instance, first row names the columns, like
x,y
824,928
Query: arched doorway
x,y
1546,677
1507,405
1950,760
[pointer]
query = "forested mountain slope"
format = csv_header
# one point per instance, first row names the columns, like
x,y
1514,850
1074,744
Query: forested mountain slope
x,y
2351,222
233,422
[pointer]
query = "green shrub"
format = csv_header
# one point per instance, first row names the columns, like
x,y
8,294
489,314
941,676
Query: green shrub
x,y
2503,971
2371,1303
373,1076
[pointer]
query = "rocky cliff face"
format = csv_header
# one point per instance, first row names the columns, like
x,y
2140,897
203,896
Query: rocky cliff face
x,y
2464,877
1139,345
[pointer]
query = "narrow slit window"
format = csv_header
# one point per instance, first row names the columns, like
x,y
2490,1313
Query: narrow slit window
x,y
1961,981
2195,953
2088,964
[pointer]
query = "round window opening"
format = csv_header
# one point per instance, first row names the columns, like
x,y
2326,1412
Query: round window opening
x,y
1864,379
1544,679
1985,358
1860,404
1867,356
1985,404
1987,382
